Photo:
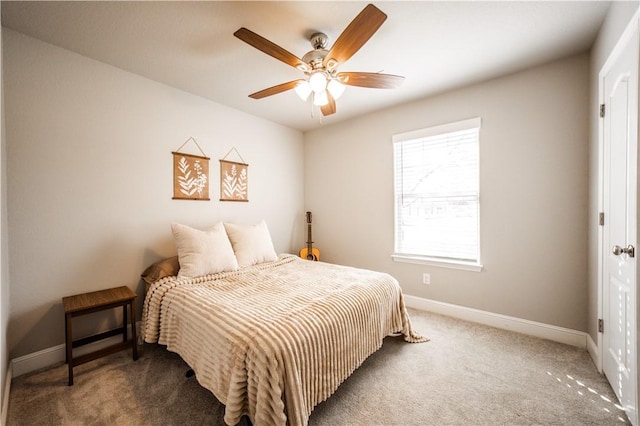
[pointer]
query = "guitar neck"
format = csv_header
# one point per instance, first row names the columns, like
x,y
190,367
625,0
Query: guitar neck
x,y
309,242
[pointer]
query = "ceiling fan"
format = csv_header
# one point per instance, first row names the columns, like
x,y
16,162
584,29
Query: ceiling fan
x,y
322,78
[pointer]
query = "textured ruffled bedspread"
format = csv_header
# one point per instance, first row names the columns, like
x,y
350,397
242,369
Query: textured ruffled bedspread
x,y
276,339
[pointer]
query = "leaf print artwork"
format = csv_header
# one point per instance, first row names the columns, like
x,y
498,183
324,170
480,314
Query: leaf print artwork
x,y
191,181
233,181
191,184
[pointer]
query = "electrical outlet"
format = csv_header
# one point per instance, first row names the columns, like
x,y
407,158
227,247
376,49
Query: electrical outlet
x,y
426,278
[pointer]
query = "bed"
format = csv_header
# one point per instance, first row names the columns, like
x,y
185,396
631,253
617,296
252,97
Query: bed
x,y
274,338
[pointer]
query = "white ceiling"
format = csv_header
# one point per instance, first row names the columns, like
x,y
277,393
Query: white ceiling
x,y
437,46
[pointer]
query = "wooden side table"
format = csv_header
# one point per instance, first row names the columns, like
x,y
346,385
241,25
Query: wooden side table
x,y
82,304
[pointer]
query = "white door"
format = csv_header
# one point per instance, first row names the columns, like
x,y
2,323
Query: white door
x,y
620,230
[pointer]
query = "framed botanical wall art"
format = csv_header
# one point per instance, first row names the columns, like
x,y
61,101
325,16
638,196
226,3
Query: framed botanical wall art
x,y
190,176
234,181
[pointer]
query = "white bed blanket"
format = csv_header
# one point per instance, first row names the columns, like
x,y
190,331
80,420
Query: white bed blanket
x,y
276,339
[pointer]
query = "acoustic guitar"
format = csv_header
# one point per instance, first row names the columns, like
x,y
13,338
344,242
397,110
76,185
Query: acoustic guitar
x,y
309,252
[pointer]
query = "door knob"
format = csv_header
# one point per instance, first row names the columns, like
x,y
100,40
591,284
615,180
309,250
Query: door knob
x,y
630,250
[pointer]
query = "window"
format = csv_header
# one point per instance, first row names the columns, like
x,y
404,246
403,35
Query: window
x,y
437,195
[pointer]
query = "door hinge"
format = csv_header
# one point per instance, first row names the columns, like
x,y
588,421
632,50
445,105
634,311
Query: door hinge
x,y
602,110
600,325
601,218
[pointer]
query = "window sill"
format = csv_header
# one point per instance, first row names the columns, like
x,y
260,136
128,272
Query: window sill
x,y
451,264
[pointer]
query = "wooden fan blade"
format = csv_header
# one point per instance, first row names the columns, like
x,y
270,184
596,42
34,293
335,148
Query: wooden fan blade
x,y
269,48
370,79
329,108
356,34
275,89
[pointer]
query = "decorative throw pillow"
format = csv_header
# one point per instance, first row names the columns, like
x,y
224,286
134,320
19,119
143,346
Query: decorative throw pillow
x,y
160,269
251,243
203,252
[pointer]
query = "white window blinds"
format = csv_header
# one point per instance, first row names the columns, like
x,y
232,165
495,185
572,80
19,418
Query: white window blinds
x,y
437,192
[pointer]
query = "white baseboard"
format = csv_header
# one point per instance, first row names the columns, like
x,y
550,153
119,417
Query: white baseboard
x,y
592,347
57,354
532,328
44,358
5,397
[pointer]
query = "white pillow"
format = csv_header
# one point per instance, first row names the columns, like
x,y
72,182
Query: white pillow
x,y
203,252
251,243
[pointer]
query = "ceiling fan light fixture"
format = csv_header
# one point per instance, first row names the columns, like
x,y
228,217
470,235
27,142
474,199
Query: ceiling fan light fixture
x,y
320,98
303,90
318,81
335,88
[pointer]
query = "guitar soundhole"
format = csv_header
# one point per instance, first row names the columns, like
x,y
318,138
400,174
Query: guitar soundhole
x,y
310,256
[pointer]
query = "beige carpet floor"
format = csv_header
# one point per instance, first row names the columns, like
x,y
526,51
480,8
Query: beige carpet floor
x,y
467,374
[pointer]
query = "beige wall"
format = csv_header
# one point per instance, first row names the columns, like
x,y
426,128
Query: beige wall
x,y
533,167
90,179
617,19
4,252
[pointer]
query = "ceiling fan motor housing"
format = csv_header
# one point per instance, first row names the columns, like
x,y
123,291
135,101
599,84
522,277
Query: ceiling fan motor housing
x,y
315,57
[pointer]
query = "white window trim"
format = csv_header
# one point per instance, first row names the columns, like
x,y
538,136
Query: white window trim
x,y
442,263
475,122
438,130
